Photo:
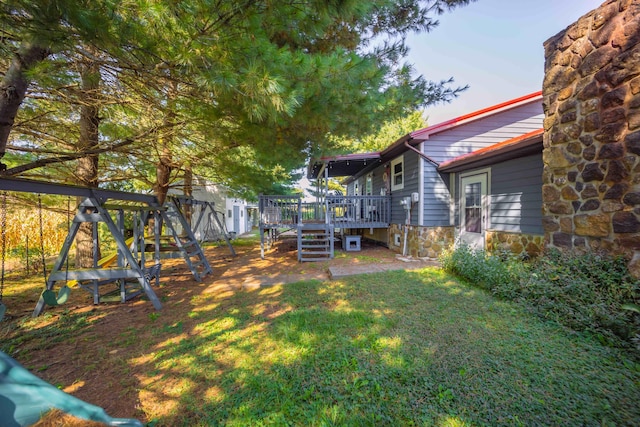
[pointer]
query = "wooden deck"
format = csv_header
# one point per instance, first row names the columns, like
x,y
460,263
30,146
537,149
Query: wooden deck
x,y
319,221
341,212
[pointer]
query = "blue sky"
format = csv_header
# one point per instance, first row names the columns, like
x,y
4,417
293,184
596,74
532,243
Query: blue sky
x,y
494,46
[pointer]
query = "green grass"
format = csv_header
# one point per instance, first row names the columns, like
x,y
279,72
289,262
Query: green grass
x,y
400,348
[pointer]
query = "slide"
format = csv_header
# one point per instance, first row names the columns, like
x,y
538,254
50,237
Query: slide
x,y
105,262
25,398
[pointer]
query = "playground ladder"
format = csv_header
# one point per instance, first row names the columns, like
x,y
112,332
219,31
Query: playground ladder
x,y
186,242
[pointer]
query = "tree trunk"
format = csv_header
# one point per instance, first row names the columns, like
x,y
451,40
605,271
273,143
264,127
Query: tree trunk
x,y
163,173
188,191
164,167
13,89
87,167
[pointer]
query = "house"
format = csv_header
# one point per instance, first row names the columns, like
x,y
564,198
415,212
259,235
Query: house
x,y
233,213
476,178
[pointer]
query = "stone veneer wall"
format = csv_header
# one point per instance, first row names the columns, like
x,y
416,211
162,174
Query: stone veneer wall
x,y
422,242
517,243
591,180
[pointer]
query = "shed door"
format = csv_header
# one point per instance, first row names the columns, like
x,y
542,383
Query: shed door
x,y
236,219
473,210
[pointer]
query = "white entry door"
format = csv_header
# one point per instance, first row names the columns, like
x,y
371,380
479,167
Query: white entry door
x,y
473,210
236,219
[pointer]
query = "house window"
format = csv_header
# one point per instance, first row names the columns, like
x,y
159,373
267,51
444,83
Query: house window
x,y
397,174
369,185
229,210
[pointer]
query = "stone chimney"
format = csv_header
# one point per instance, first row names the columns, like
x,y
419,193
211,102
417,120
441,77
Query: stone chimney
x,y
591,90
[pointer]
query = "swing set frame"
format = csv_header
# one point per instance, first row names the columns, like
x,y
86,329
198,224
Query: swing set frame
x,y
96,208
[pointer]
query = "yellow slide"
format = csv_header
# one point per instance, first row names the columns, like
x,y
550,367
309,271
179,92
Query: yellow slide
x,y
104,262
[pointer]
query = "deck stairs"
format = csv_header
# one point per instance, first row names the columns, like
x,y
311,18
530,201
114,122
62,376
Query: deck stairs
x,y
186,241
315,242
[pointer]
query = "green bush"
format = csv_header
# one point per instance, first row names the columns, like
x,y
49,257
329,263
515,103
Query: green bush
x,y
585,292
488,271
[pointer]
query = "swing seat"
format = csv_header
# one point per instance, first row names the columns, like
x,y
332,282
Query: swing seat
x,y
51,299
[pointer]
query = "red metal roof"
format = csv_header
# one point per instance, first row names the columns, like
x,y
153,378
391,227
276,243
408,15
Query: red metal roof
x,y
351,156
496,152
423,134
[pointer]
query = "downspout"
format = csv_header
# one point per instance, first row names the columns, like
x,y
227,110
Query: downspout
x,y
408,220
421,154
406,231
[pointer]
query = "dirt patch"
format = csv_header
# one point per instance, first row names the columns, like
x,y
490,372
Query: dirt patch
x,y
89,366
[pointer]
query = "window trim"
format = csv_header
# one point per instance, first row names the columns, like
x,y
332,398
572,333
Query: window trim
x,y
394,162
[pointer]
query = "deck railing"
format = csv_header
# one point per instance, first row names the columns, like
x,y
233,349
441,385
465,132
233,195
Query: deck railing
x,y
279,210
341,211
360,211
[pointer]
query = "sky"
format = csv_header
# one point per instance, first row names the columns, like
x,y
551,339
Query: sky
x,y
494,46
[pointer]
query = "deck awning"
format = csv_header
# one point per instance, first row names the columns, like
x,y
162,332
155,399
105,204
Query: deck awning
x,y
523,145
343,165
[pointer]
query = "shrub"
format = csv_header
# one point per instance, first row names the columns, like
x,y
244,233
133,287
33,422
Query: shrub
x,y
488,271
585,292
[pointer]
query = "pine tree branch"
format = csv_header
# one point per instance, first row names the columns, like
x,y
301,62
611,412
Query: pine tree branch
x,y
74,156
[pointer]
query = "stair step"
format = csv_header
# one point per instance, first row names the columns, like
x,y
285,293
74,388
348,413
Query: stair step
x,y
313,259
315,253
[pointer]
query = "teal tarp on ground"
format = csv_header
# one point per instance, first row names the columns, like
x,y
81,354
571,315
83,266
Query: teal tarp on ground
x,y
24,398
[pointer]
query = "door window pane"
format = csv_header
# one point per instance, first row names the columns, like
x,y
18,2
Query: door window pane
x,y
473,208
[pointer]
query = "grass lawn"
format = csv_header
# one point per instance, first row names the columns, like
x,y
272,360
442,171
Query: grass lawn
x,y
399,348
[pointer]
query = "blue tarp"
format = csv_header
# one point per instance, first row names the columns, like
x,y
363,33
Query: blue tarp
x,y
24,398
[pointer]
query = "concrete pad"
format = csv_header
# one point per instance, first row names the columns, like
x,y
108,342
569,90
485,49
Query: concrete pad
x,y
256,282
337,272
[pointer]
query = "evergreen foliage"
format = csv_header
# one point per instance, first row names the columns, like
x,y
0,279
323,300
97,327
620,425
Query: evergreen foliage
x,y
242,91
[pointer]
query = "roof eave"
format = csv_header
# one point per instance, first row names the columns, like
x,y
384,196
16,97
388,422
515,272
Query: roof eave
x,y
523,145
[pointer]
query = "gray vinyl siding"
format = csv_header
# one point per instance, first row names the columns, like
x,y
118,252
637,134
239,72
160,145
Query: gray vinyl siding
x,y
516,195
377,181
411,176
351,188
464,139
436,197
484,132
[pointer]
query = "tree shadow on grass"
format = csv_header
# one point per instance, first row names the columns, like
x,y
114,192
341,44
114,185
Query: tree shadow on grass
x,y
390,349
395,348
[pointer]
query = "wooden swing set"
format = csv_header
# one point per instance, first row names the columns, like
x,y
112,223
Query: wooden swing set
x,y
128,267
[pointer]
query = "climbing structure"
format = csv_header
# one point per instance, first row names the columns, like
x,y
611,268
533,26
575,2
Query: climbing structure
x,y
128,267
214,228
